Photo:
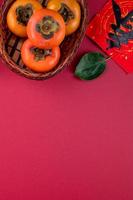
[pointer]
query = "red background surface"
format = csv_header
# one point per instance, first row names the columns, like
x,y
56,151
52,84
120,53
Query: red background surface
x,y
66,139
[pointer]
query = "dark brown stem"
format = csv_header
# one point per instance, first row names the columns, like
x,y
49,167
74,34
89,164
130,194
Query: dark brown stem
x,y
40,54
24,13
66,12
108,58
47,27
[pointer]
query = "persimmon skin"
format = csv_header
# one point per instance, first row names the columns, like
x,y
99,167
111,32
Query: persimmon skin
x,y
36,37
12,22
73,24
43,65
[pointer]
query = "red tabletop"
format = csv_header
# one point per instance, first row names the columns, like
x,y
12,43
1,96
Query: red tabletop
x,y
66,139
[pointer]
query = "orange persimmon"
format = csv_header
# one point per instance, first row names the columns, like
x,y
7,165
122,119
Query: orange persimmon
x,y
39,60
46,28
70,11
19,15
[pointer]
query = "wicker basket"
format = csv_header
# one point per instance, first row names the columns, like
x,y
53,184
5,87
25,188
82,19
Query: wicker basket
x,y
10,45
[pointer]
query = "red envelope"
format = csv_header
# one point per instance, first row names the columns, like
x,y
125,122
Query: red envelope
x,y
112,30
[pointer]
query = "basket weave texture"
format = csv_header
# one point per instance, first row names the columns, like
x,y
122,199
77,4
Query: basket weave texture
x,y
10,44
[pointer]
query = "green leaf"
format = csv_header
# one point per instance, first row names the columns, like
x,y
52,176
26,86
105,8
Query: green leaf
x,y
90,66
